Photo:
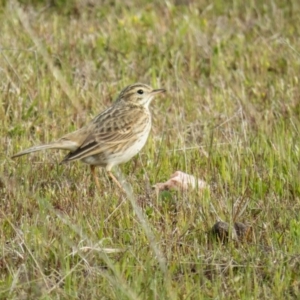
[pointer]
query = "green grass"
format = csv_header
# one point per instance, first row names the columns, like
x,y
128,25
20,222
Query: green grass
x,y
231,117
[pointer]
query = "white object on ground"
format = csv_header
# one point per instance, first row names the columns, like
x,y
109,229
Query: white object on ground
x,y
182,181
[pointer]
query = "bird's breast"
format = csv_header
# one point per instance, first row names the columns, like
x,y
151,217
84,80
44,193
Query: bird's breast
x,y
124,150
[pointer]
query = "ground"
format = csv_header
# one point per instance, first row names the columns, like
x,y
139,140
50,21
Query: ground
x,y
231,117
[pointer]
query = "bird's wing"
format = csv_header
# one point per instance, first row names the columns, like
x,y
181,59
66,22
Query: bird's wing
x,y
110,131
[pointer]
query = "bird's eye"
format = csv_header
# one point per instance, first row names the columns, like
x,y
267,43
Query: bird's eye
x,y
140,92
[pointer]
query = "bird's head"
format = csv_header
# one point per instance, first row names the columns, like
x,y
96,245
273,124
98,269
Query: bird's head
x,y
139,94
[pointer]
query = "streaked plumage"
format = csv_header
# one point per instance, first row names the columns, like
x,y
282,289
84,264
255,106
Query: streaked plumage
x,y
114,136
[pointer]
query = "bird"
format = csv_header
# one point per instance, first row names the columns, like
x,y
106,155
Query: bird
x,y
113,137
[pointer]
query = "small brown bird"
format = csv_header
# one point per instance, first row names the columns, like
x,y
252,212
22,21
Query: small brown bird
x,y
114,136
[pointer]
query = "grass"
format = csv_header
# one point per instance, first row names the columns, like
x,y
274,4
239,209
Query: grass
x,y
231,117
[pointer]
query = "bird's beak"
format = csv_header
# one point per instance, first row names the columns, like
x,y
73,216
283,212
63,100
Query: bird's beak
x,y
158,91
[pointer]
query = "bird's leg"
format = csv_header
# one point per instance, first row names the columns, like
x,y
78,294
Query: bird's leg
x,y
115,180
93,170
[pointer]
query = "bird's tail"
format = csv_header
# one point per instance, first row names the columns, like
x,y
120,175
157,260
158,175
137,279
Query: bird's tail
x,y
62,144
